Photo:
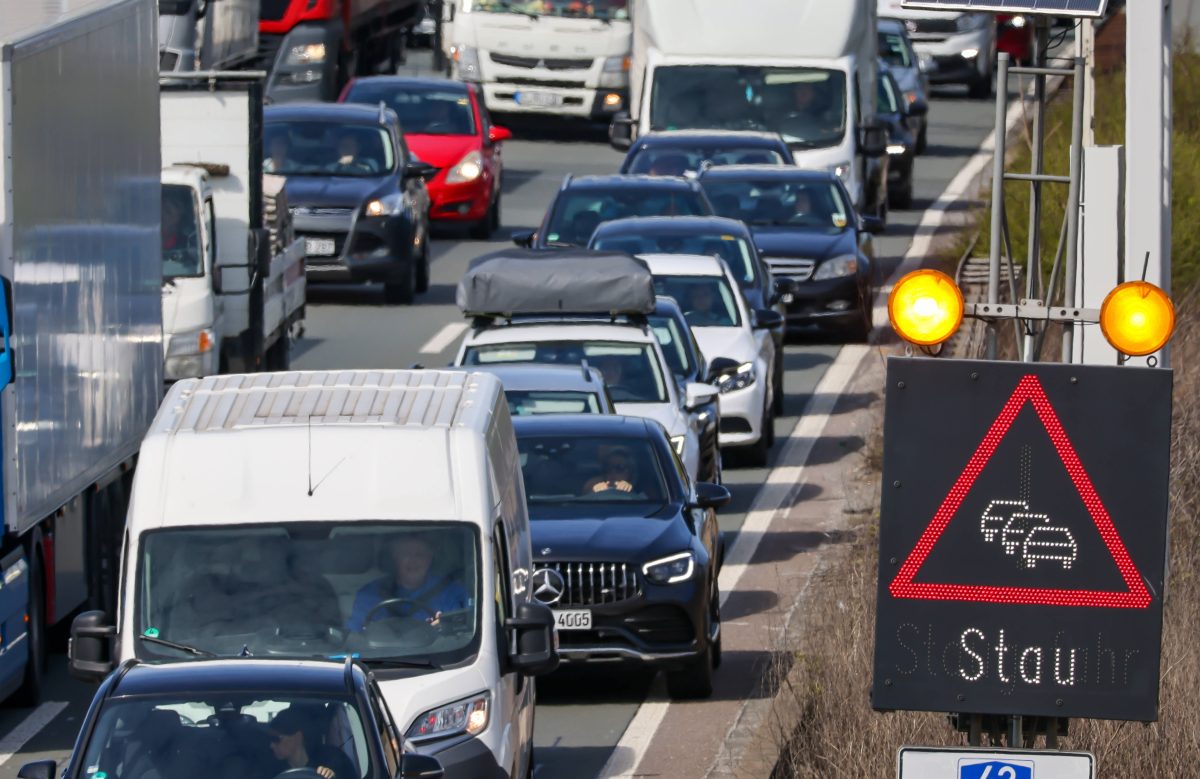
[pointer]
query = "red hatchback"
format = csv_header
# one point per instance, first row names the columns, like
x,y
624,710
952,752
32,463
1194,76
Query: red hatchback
x,y
1014,35
446,125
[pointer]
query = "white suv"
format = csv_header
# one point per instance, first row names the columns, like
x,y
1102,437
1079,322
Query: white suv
x,y
730,334
625,352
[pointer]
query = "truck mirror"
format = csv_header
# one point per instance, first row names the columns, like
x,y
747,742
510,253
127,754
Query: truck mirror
x,y
89,654
873,140
216,279
620,132
536,641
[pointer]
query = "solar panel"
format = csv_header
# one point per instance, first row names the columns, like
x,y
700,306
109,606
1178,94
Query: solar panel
x,y
1091,8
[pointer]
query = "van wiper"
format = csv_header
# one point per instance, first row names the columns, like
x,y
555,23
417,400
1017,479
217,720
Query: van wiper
x,y
191,650
398,662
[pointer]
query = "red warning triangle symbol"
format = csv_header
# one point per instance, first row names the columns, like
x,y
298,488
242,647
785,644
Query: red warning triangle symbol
x,y
1029,390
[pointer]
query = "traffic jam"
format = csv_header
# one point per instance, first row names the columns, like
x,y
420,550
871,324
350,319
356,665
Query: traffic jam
x,y
335,574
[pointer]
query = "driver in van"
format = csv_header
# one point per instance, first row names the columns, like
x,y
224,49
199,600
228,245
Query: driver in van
x,y
177,232
410,591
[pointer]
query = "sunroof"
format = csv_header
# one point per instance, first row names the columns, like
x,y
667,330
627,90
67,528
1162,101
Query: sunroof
x,y
1048,7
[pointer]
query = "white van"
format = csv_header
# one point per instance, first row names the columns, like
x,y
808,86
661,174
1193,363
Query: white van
x,y
378,514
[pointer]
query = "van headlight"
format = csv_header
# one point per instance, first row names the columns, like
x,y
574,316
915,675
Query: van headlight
x,y
670,570
677,443
469,715
743,377
388,205
469,168
846,265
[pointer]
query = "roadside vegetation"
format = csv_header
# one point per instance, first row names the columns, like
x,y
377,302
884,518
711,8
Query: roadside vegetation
x,y
839,735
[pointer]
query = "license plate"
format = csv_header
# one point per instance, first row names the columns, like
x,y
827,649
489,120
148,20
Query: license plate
x,y
539,99
318,247
575,619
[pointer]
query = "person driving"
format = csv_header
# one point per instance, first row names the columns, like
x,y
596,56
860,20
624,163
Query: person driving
x,y
803,205
701,311
670,164
618,473
277,151
611,369
348,159
178,231
289,744
418,594
808,113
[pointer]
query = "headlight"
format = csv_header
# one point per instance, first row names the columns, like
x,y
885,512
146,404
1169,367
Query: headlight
x,y
306,54
466,60
669,570
896,148
1017,21
842,171
837,268
970,54
740,379
615,73
468,169
389,205
470,716
193,342
677,443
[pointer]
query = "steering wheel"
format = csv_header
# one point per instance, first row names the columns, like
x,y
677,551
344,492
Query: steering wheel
x,y
304,772
389,602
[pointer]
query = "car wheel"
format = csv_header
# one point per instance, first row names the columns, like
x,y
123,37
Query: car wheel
x,y
693,681
922,140
496,212
861,331
759,452
777,391
715,608
401,292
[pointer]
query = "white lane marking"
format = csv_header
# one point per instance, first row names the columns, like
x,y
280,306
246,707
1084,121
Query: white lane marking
x,y
28,728
635,742
444,337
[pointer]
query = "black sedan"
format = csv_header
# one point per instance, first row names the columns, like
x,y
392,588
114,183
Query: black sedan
x,y
584,203
356,192
302,719
626,551
682,151
899,116
806,228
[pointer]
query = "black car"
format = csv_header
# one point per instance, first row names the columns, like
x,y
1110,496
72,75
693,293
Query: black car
x,y
243,717
357,194
689,364
683,151
896,113
584,203
807,229
625,550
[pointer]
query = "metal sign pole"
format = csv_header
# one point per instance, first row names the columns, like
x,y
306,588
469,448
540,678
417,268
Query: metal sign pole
x,y
1033,270
997,233
1072,237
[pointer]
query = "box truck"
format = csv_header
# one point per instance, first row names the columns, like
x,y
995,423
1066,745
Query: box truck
x,y
81,311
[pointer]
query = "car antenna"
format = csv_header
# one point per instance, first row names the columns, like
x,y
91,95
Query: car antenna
x,y
312,488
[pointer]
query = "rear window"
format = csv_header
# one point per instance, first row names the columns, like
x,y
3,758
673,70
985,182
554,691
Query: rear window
x,y
707,301
733,249
630,370
578,213
524,403
666,330
676,162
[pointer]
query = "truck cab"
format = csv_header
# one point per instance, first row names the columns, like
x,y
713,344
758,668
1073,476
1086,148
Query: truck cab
x,y
191,307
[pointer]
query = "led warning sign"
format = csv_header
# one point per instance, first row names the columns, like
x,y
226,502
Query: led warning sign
x,y
1022,539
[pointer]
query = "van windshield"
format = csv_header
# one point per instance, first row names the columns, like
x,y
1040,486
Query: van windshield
x,y
807,106
401,591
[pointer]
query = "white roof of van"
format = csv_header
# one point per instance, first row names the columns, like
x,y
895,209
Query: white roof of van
x,y
683,264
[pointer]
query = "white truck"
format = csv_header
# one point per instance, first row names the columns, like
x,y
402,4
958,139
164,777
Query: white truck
x,y
207,34
80,315
565,57
806,69
233,288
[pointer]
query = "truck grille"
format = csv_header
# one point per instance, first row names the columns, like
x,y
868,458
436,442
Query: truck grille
x,y
593,584
273,10
534,82
792,267
536,62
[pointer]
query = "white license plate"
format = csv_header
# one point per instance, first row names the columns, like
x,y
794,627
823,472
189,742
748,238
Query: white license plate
x,y
575,619
538,99
318,247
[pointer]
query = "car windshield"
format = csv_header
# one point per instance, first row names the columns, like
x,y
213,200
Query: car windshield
x,y
671,161
666,330
578,212
810,204
574,470
707,301
895,51
422,111
314,148
323,589
807,106
572,9
630,370
180,233
524,403
233,734
733,249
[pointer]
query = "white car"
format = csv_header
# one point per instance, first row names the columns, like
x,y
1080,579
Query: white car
x,y
731,332
626,353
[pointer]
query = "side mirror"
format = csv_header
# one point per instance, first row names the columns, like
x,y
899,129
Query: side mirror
x,y
699,395
90,651
918,108
415,766
537,643
766,319
872,224
712,496
873,140
498,134
38,769
620,131
722,366
524,238
417,169
216,280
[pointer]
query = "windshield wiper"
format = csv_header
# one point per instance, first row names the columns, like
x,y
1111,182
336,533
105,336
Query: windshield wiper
x,y
395,662
191,650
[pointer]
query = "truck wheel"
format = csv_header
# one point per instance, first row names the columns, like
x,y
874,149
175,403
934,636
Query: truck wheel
x,y
401,292
29,694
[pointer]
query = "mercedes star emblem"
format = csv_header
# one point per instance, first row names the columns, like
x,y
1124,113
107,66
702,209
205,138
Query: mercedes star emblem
x,y
548,586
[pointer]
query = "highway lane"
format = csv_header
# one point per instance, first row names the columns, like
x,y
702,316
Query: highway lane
x,y
584,714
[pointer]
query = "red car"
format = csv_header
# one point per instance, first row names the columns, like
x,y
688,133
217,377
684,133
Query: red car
x,y
446,125
1014,35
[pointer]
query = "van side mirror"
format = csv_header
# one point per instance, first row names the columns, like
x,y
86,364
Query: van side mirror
x,y
524,238
712,496
38,769
873,140
699,395
417,766
620,131
537,643
216,280
90,651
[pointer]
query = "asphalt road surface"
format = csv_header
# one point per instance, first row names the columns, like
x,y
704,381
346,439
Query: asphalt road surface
x,y
581,716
